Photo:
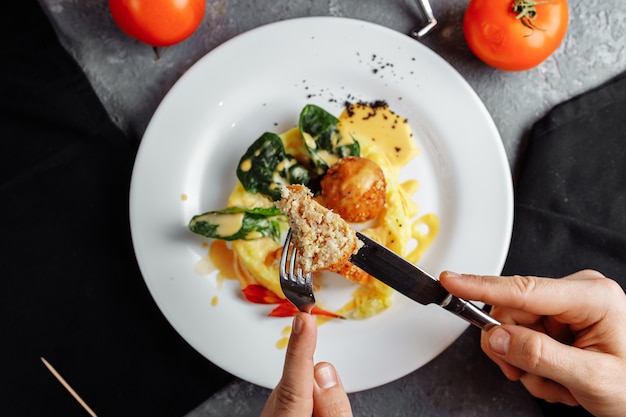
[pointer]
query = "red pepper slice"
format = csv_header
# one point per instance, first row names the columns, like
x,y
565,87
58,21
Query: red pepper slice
x,y
287,309
260,295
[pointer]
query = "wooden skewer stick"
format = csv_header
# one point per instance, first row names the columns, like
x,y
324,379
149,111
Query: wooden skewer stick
x,y
68,388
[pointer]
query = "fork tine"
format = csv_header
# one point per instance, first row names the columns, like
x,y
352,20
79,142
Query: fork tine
x,y
292,266
296,285
283,256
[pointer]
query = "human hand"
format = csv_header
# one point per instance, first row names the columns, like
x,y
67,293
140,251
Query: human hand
x,y
564,339
304,389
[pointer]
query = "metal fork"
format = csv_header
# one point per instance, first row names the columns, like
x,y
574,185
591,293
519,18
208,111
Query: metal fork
x,y
297,287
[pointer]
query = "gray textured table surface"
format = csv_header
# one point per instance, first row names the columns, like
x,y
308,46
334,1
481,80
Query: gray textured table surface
x,y
131,83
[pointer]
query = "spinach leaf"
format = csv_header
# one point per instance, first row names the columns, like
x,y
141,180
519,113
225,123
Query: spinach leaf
x,y
235,223
322,138
266,167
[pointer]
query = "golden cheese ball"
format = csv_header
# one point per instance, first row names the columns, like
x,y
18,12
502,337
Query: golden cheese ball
x,y
354,188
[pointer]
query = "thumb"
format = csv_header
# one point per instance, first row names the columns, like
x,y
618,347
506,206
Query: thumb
x,y
293,396
329,396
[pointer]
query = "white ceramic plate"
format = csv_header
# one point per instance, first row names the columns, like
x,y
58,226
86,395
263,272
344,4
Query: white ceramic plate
x,y
259,81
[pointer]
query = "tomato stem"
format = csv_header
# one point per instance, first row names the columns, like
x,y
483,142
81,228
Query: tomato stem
x,y
527,12
157,52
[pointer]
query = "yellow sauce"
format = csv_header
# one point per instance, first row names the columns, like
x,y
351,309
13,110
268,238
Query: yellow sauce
x,y
282,343
205,266
423,230
245,165
328,157
227,224
284,340
223,259
380,127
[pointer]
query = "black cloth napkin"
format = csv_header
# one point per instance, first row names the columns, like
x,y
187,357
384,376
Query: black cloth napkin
x,y
70,289
570,198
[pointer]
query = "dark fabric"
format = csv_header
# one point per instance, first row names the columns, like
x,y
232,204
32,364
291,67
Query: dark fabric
x,y
70,287
570,199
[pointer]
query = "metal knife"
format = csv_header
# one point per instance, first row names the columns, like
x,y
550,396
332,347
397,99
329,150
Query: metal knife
x,y
406,278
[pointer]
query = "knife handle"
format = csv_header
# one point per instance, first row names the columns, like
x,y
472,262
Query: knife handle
x,y
469,312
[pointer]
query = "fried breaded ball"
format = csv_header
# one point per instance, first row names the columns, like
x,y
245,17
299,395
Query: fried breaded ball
x,y
354,188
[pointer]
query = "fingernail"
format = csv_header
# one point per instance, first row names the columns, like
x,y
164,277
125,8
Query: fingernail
x,y
326,377
296,327
499,341
453,275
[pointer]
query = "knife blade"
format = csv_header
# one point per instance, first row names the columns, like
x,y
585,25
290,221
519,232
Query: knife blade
x,y
410,280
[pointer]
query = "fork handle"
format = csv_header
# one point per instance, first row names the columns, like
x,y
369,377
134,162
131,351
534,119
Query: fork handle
x,y
469,312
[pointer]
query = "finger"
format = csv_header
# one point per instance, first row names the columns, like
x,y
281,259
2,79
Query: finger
x,y
329,396
514,316
550,325
579,298
538,354
293,396
300,350
548,390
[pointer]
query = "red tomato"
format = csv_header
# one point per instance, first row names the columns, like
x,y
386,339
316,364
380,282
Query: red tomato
x,y
515,35
158,22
